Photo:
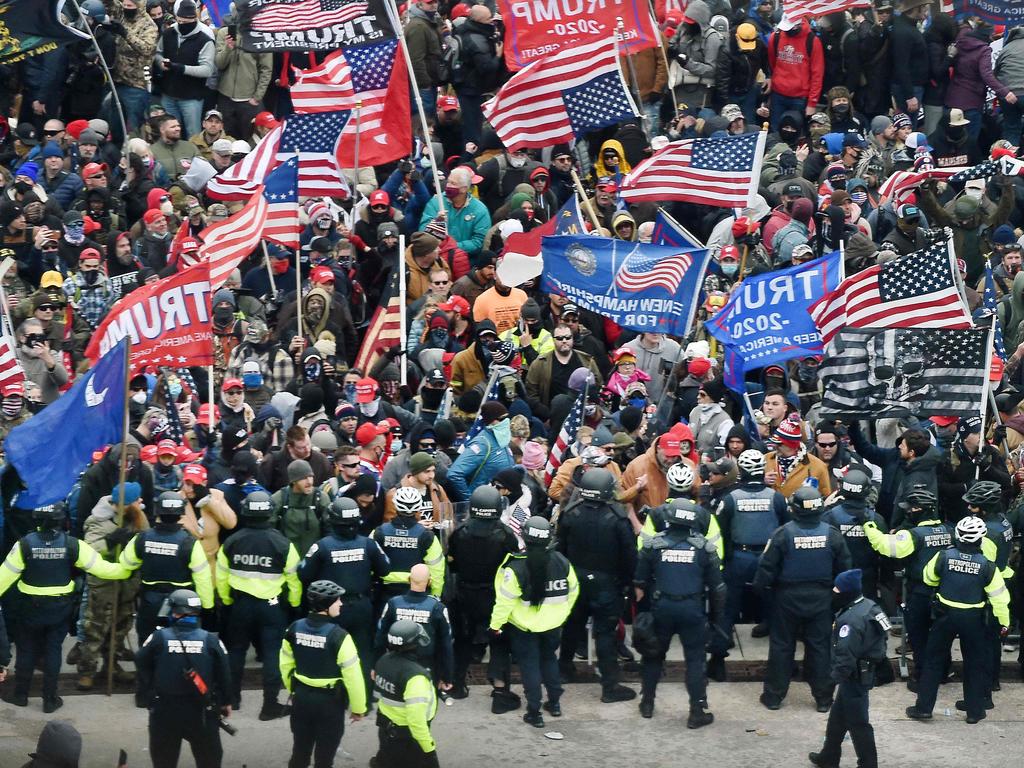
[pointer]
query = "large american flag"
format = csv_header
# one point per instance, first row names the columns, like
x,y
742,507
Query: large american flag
x,y
227,243
315,139
11,371
384,330
795,10
566,437
281,190
243,179
991,305
918,290
642,270
362,77
561,96
900,183
889,373
290,15
721,172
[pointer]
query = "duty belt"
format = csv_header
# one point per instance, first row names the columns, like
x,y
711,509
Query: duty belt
x,y
677,598
749,547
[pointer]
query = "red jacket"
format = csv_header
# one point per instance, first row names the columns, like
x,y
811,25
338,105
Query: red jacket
x,y
792,75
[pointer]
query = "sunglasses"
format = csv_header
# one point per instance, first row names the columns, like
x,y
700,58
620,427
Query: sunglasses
x,y
378,207
53,133
827,445
46,308
563,338
424,446
439,282
349,466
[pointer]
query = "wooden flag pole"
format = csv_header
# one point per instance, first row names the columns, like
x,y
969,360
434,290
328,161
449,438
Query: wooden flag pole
x,y
122,475
586,201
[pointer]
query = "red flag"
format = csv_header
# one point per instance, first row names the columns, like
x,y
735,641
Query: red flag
x,y
795,10
227,243
11,371
384,330
168,322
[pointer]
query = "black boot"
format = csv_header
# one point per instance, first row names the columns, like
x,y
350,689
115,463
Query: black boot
x,y
617,693
272,710
534,718
647,706
698,716
716,669
503,700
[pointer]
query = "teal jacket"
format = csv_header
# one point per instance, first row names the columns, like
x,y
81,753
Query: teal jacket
x,y
467,226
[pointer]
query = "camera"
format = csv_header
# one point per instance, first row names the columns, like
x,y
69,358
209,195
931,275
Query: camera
x,y
35,339
232,30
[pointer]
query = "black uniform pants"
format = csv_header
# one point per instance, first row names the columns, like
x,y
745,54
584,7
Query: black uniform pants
x,y
601,599
397,749
849,714
150,601
357,619
738,575
535,654
687,619
917,617
472,617
318,723
969,625
254,620
41,630
172,720
803,610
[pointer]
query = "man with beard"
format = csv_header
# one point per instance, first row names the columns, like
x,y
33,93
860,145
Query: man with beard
x,y
122,269
87,291
151,249
42,365
1008,250
276,366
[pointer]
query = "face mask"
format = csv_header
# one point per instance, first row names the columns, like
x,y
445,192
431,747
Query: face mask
x,y
130,13
841,109
439,336
794,31
529,215
90,278
187,29
730,269
692,29
312,371
11,406
859,197
451,192
279,266
350,393
166,208
174,388
252,380
23,186
370,408
638,402
974,192
787,135
323,223
223,315
516,162
502,432
590,409
139,397
841,600
74,233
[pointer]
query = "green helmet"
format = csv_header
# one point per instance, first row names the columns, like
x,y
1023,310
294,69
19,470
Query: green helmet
x,y
344,511
406,634
321,594
486,503
257,506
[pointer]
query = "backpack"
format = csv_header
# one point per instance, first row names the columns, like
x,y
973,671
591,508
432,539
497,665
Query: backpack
x,y
811,37
300,525
453,67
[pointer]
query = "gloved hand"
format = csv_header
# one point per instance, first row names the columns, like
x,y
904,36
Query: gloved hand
x,y
999,434
683,58
202,496
415,176
117,28
983,460
176,68
119,537
1004,631
494,634
405,166
394,352
358,242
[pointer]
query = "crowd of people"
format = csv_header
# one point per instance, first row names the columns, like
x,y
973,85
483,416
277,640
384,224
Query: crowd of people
x,y
432,485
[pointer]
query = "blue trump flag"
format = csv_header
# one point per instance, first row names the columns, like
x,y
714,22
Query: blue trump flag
x,y
54,446
638,286
766,321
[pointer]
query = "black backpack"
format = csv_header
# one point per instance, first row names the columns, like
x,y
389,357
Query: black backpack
x,y
453,67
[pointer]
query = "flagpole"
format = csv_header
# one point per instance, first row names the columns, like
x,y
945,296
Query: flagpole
x,y
122,475
270,272
620,27
110,79
298,291
355,186
664,58
986,387
403,370
586,200
400,34
5,267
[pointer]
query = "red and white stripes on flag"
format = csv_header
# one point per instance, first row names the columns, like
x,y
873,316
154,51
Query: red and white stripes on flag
x,y
300,14
227,243
795,10
243,179
897,186
384,330
566,437
722,172
11,371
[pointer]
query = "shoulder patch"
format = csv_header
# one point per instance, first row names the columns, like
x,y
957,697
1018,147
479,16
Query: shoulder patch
x,y
312,550
844,630
883,621
474,448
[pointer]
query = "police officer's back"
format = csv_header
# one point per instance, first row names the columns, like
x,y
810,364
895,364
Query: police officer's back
x,y
849,517
167,558
406,542
680,480
255,567
184,679
799,563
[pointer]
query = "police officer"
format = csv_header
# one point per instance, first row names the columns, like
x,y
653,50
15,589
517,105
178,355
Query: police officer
x,y
680,480
184,679
320,667
406,701
351,561
799,563
849,516
985,499
859,636
406,542
437,656
966,582
254,567
42,562
596,537
748,516
680,566
167,558
476,550
916,547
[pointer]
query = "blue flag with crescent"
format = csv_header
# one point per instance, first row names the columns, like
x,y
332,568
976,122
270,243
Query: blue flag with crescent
x,y
52,448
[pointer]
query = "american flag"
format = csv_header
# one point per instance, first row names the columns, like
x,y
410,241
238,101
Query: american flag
x,y
566,437
643,270
362,77
918,290
561,96
888,373
315,138
227,243
243,179
11,371
384,330
901,182
983,170
493,392
281,190
721,172
991,305
796,10
290,15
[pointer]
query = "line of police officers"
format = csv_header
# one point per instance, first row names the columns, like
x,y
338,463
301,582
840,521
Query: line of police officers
x,y
532,603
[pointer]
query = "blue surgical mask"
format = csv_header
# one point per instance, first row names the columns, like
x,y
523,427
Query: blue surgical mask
x,y
638,402
174,389
502,432
730,269
252,380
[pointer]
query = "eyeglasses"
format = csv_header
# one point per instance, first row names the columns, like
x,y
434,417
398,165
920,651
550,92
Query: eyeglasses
x,y
53,133
563,159
827,445
563,338
349,466
426,446
46,308
439,282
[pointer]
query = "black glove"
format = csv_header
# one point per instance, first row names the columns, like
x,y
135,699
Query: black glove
x,y
430,759
683,58
999,433
984,459
415,176
394,352
176,68
117,28
201,492
494,634
119,537
209,619
142,700
405,166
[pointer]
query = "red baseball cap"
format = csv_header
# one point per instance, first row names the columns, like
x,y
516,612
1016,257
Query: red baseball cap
x,y
14,388
368,432
167,448
148,454
669,444
458,11
455,304
204,413
448,103
186,454
231,384
194,472
189,244
90,254
321,275
366,390
380,197
943,421
265,120
153,214
94,169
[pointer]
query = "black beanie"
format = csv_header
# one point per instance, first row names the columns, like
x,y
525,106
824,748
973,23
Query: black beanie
x,y
630,418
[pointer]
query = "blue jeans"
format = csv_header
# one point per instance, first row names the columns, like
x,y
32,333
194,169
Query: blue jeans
x,y
779,104
188,111
429,97
1013,122
134,104
748,103
472,117
974,128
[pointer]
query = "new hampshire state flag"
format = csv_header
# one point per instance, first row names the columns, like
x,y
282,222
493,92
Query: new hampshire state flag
x,y
54,446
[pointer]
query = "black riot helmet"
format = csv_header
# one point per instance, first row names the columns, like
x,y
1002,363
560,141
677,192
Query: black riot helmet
x,y
597,485
919,503
170,504
257,506
181,602
321,594
343,513
51,516
486,503
855,485
806,503
407,635
683,513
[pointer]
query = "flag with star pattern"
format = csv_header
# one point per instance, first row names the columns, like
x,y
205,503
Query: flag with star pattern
x,y
721,172
990,304
894,372
562,96
918,290
566,437
316,140
281,190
